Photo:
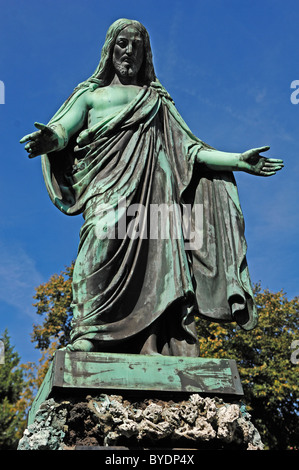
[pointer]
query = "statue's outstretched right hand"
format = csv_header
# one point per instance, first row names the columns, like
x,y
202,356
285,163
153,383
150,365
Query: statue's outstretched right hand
x,y
256,164
42,141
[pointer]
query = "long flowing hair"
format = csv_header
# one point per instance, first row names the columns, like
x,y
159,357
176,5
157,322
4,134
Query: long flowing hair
x,y
103,74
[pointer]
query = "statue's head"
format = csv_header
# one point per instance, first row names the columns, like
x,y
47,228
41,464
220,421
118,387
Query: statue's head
x,y
106,69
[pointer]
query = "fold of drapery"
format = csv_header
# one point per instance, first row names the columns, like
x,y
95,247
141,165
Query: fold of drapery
x,y
146,157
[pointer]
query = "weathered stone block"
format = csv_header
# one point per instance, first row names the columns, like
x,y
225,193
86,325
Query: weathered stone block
x,y
134,373
113,421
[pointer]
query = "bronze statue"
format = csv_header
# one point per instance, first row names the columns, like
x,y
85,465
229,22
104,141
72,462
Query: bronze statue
x,y
119,143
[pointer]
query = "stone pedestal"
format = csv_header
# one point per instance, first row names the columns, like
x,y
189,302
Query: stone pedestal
x,y
116,422
98,401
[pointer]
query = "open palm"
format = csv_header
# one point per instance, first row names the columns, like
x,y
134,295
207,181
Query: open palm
x,y
256,164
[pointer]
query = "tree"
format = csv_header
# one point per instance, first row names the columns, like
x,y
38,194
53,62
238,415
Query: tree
x,y
53,303
263,355
11,385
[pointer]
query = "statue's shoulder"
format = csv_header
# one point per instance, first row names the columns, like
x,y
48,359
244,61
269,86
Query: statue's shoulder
x,y
99,91
95,95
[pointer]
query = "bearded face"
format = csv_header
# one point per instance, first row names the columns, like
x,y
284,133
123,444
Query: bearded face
x,y
128,55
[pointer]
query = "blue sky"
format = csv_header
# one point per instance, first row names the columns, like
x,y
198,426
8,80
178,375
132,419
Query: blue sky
x,y
228,66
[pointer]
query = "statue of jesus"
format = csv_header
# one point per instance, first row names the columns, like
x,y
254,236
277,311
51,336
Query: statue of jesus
x,y
118,142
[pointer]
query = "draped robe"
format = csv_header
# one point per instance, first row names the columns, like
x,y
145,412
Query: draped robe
x,y
146,155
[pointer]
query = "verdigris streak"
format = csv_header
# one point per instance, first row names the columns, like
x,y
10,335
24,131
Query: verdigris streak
x,y
119,137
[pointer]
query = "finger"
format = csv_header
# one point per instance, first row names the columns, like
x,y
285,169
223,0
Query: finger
x,y
32,155
32,137
272,165
271,161
273,168
270,170
274,160
43,128
267,173
277,168
24,139
261,149
40,126
28,137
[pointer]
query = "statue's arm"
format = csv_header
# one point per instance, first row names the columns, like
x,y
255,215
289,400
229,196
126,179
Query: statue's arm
x,y
55,136
250,161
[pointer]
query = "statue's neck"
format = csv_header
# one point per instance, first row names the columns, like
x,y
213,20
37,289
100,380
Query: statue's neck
x,y
124,80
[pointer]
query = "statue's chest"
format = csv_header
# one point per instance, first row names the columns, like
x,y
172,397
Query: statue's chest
x,y
109,101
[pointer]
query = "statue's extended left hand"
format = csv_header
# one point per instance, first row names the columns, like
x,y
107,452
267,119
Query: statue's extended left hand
x,y
42,141
255,164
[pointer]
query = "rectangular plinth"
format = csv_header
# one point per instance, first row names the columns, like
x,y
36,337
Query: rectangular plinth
x,y
118,373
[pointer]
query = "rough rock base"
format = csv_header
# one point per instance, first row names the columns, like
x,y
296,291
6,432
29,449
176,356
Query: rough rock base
x,y
112,420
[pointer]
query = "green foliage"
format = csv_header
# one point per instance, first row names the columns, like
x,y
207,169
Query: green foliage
x,y
53,304
263,355
11,386
53,301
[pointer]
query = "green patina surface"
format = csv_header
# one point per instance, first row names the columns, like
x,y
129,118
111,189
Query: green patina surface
x,y
138,373
150,372
119,138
